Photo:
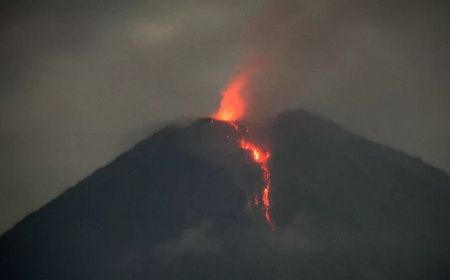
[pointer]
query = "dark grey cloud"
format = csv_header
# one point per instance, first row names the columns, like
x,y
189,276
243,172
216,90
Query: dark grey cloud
x,y
81,81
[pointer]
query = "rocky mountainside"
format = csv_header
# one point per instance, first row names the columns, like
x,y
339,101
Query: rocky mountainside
x,y
176,207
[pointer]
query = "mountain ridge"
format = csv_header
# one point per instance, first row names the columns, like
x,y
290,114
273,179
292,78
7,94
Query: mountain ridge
x,y
176,206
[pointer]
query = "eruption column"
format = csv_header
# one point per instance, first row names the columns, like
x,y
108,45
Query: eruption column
x,y
232,106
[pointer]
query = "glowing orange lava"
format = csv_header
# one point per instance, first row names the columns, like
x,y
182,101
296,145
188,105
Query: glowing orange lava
x,y
233,106
261,157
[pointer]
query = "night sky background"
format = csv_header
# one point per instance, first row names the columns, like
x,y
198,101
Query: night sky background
x,y
83,81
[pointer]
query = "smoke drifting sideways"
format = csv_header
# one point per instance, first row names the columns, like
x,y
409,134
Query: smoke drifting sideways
x,y
377,68
350,62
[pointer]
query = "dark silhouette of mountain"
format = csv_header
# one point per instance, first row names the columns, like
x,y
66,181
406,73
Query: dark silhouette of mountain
x,y
176,207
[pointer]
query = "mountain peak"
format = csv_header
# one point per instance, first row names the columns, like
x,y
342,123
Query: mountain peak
x,y
176,206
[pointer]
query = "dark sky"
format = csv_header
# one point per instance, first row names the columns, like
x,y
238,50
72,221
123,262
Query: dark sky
x,y
82,81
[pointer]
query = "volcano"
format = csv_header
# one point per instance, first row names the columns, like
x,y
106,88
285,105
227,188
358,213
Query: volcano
x,y
181,205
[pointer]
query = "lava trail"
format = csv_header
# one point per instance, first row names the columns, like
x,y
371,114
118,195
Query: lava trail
x,y
261,157
232,108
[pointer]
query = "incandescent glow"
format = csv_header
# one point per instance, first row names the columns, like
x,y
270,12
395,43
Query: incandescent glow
x,y
261,157
233,105
232,108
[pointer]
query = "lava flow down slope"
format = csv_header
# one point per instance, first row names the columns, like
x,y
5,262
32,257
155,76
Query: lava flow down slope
x,y
296,198
232,108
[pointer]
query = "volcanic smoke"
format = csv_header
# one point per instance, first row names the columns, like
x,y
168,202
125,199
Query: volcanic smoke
x,y
233,108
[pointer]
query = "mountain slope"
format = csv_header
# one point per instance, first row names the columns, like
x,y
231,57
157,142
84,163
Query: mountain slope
x,y
176,207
